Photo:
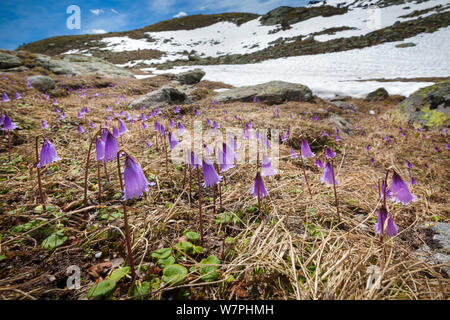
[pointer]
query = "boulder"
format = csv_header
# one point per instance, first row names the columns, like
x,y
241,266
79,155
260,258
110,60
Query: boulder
x,y
190,77
270,93
436,249
9,61
164,96
427,107
377,95
77,64
42,83
340,123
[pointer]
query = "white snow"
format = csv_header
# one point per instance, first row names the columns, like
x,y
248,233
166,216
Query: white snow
x,y
336,73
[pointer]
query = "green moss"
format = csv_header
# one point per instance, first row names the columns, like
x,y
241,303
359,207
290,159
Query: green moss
x,y
434,118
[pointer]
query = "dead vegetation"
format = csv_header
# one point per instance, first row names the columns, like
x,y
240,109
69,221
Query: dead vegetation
x,y
298,251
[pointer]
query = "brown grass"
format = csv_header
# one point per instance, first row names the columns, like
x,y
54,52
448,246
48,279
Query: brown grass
x,y
298,251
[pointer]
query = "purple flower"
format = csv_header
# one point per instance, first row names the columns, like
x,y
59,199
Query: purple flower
x,y
197,113
400,190
162,130
44,124
266,165
134,179
92,125
116,132
8,124
328,175
99,150
181,128
80,129
391,228
413,182
193,160
226,158
408,165
122,127
29,85
48,154
330,154
172,141
210,175
144,126
17,96
258,187
447,146
306,150
338,138
157,125
111,147
388,192
171,123
62,116
318,163
176,109
293,154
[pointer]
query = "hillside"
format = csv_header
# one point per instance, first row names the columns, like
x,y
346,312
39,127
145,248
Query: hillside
x,y
327,31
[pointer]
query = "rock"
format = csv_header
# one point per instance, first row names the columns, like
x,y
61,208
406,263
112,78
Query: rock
x,y
9,61
428,107
164,96
190,77
269,93
17,69
77,64
344,105
341,124
42,83
377,95
437,251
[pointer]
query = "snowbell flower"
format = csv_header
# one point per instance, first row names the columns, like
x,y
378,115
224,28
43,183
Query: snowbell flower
x,y
210,175
134,179
8,124
400,190
306,150
330,154
111,147
258,187
99,150
267,169
327,177
48,154
391,228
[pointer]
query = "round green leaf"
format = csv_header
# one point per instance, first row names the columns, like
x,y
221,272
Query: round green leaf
x,y
192,236
174,274
102,288
161,253
166,261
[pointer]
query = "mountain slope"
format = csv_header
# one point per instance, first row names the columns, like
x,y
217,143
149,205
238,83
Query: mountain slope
x,y
373,33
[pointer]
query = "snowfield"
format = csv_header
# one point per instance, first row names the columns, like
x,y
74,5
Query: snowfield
x,y
336,73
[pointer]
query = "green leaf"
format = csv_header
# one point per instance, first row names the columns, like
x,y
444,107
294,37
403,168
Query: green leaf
x,y
229,240
56,239
2,257
185,246
164,262
140,290
210,265
191,235
118,274
161,253
198,249
174,274
102,288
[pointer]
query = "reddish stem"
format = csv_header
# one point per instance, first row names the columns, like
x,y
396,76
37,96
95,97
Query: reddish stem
x,y
200,205
335,194
306,178
9,146
99,183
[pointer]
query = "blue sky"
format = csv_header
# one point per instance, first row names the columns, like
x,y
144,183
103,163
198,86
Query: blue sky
x,y
27,21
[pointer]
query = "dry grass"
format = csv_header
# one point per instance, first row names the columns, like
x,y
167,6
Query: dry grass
x,y
298,251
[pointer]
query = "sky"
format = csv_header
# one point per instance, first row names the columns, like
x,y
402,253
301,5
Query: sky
x,y
25,21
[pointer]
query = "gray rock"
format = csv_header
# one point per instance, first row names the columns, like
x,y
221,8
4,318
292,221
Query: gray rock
x,y
440,253
428,107
344,105
164,96
42,83
190,77
9,61
77,64
269,93
377,95
341,124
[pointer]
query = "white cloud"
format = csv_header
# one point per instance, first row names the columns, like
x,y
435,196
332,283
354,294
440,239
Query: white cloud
x,y
180,14
115,11
98,31
96,11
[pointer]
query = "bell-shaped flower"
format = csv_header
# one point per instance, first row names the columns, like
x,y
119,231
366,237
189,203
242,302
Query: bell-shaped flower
x,y
111,147
48,154
8,124
400,190
258,187
306,150
134,179
327,177
99,150
210,175
266,167
381,227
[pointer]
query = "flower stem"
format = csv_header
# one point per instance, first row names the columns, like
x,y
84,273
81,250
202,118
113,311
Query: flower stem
x,y
106,171
306,177
41,195
335,194
99,183
128,242
200,205
9,146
